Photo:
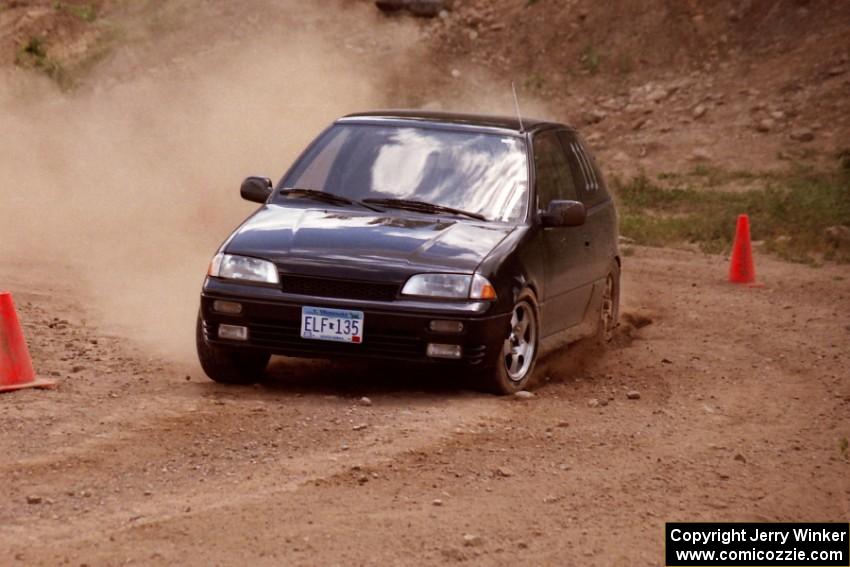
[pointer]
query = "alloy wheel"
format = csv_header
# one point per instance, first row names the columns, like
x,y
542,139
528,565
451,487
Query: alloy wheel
x,y
520,345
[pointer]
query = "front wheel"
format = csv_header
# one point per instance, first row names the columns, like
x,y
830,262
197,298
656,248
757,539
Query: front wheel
x,y
515,364
229,365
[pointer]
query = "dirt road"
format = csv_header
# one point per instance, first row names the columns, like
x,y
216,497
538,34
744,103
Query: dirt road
x,y
744,402
744,394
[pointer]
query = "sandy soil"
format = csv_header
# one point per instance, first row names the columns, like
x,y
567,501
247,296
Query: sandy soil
x,y
744,397
744,393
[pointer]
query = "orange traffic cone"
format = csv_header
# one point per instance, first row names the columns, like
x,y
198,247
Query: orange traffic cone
x,y
741,268
15,364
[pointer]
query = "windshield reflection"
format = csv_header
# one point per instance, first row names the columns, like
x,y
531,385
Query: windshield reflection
x,y
482,173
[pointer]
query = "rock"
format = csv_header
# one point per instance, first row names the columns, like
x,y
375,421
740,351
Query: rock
x,y
34,500
504,472
472,540
765,125
633,395
802,135
595,116
360,427
593,403
777,115
700,154
455,73
739,457
364,401
420,8
700,110
657,95
437,502
838,234
524,395
77,368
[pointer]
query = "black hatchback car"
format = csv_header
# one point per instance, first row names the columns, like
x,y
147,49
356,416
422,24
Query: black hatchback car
x,y
474,241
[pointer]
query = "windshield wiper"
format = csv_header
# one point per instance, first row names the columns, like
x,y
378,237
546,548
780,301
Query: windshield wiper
x,y
323,196
422,207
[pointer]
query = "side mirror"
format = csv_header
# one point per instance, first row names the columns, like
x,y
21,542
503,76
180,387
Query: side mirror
x,y
564,213
256,189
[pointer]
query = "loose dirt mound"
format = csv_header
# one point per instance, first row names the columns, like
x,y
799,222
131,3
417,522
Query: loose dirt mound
x,y
662,85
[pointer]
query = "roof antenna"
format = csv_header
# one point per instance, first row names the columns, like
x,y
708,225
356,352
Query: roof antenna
x,y
516,104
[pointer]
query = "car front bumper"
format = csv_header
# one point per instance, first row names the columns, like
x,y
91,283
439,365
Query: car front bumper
x,y
392,330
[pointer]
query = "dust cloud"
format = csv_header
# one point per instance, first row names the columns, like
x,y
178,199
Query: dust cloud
x,y
134,183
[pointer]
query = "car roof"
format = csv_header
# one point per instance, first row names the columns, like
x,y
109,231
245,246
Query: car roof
x,y
511,123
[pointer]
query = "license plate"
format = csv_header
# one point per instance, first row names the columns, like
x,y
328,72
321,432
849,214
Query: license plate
x,y
338,325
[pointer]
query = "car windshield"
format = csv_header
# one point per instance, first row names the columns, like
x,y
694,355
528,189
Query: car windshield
x,y
481,173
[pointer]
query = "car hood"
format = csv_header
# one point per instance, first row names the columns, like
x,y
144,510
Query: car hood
x,y
364,245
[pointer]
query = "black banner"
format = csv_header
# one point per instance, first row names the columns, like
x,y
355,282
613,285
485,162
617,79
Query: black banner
x,y
757,544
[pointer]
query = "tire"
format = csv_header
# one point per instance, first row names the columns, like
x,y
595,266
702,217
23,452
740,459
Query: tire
x,y
229,365
609,308
515,364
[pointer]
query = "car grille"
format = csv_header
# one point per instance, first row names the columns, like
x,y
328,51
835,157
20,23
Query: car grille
x,y
343,289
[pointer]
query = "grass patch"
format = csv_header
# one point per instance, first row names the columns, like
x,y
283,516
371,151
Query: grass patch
x,y
85,12
790,213
590,59
33,54
534,82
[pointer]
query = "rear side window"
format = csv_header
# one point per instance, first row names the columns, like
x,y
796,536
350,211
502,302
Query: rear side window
x,y
591,189
553,177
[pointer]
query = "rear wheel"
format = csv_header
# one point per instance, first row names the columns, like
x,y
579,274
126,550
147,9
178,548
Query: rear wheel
x,y
515,364
609,309
229,365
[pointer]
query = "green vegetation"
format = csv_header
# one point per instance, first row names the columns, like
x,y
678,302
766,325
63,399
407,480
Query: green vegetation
x,y
790,212
86,12
534,82
590,59
34,55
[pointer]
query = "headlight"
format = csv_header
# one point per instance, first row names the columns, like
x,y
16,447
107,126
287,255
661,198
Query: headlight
x,y
243,268
453,286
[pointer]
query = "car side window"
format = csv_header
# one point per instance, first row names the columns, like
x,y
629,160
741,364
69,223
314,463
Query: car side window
x,y
585,172
553,178
318,171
